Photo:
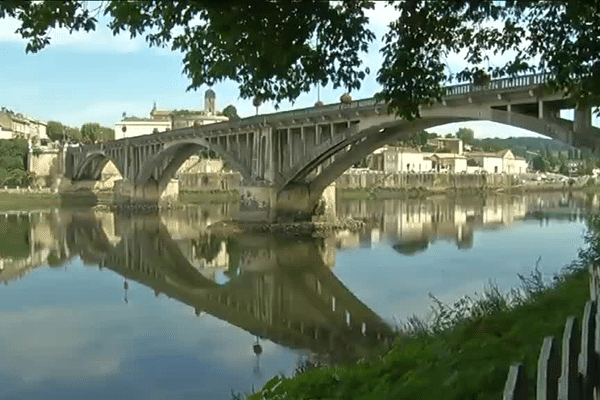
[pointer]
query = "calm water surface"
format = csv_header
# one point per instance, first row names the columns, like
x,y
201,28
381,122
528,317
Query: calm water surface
x,y
100,306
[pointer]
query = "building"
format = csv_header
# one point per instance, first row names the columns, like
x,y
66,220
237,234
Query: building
x,y
448,162
399,159
133,126
449,145
14,126
164,120
513,164
500,162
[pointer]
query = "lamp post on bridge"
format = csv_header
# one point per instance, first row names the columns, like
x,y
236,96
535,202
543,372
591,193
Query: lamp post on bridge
x,y
256,102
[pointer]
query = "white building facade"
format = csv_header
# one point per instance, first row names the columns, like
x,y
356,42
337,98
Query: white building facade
x,y
164,120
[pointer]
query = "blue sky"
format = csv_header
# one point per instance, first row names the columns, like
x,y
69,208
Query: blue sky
x,y
95,77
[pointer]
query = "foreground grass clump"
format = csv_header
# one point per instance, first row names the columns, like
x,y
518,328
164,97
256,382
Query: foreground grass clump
x,y
466,349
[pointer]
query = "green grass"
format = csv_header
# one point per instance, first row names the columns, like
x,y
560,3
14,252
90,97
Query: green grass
x,y
464,351
209,196
27,201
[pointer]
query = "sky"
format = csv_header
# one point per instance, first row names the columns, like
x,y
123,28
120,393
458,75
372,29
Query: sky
x,y
96,77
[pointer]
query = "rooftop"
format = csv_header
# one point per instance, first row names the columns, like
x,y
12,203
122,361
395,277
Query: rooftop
x,y
446,155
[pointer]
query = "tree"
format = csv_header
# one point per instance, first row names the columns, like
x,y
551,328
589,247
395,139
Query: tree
x,y
231,112
539,164
92,132
466,135
321,42
55,130
419,138
449,136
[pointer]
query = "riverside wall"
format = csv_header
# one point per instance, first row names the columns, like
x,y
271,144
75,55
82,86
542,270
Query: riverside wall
x,y
209,181
373,180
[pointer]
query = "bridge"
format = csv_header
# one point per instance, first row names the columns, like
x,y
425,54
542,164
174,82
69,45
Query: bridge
x,y
269,294
289,159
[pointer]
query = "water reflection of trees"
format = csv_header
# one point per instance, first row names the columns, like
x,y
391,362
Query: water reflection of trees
x,y
14,236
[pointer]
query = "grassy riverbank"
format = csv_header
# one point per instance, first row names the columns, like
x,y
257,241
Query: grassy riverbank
x,y
27,201
209,196
465,350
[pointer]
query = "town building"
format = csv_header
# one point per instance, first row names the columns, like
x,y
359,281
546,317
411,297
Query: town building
x,y
448,162
500,162
449,156
16,125
449,145
399,159
164,120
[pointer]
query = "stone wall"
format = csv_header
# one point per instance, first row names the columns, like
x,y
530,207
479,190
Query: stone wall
x,y
427,181
45,167
209,181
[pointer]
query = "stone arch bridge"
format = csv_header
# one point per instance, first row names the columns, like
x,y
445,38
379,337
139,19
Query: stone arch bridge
x,y
288,159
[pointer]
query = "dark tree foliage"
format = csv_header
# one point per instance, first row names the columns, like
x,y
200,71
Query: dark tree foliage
x,y
231,112
92,132
419,138
59,132
466,134
539,164
13,162
277,50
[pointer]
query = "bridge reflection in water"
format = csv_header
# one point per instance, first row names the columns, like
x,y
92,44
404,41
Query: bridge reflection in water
x,y
281,290
276,289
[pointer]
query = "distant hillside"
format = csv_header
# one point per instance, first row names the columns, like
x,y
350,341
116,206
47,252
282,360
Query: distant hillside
x,y
520,145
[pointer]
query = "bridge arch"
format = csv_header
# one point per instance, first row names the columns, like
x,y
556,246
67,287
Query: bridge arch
x,y
92,166
162,166
365,137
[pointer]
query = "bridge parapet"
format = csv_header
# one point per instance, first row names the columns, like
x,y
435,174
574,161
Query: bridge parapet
x,y
517,82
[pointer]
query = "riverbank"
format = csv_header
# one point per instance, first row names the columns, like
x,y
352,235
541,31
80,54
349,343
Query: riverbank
x,y
27,201
393,193
464,350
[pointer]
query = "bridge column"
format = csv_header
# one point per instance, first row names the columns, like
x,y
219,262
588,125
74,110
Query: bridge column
x,y
290,144
582,120
268,158
303,140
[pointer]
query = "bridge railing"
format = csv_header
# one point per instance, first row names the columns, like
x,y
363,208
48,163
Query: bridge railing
x,y
454,90
572,374
498,84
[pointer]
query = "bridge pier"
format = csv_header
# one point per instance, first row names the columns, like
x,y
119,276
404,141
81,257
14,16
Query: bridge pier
x,y
297,203
148,194
265,204
582,118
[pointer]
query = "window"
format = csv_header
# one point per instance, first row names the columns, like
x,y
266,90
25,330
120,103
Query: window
x,y
496,169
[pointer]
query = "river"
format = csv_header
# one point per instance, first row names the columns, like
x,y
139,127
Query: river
x,y
98,305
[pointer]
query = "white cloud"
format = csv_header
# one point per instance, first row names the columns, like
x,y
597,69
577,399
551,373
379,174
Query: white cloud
x,y
99,41
7,30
